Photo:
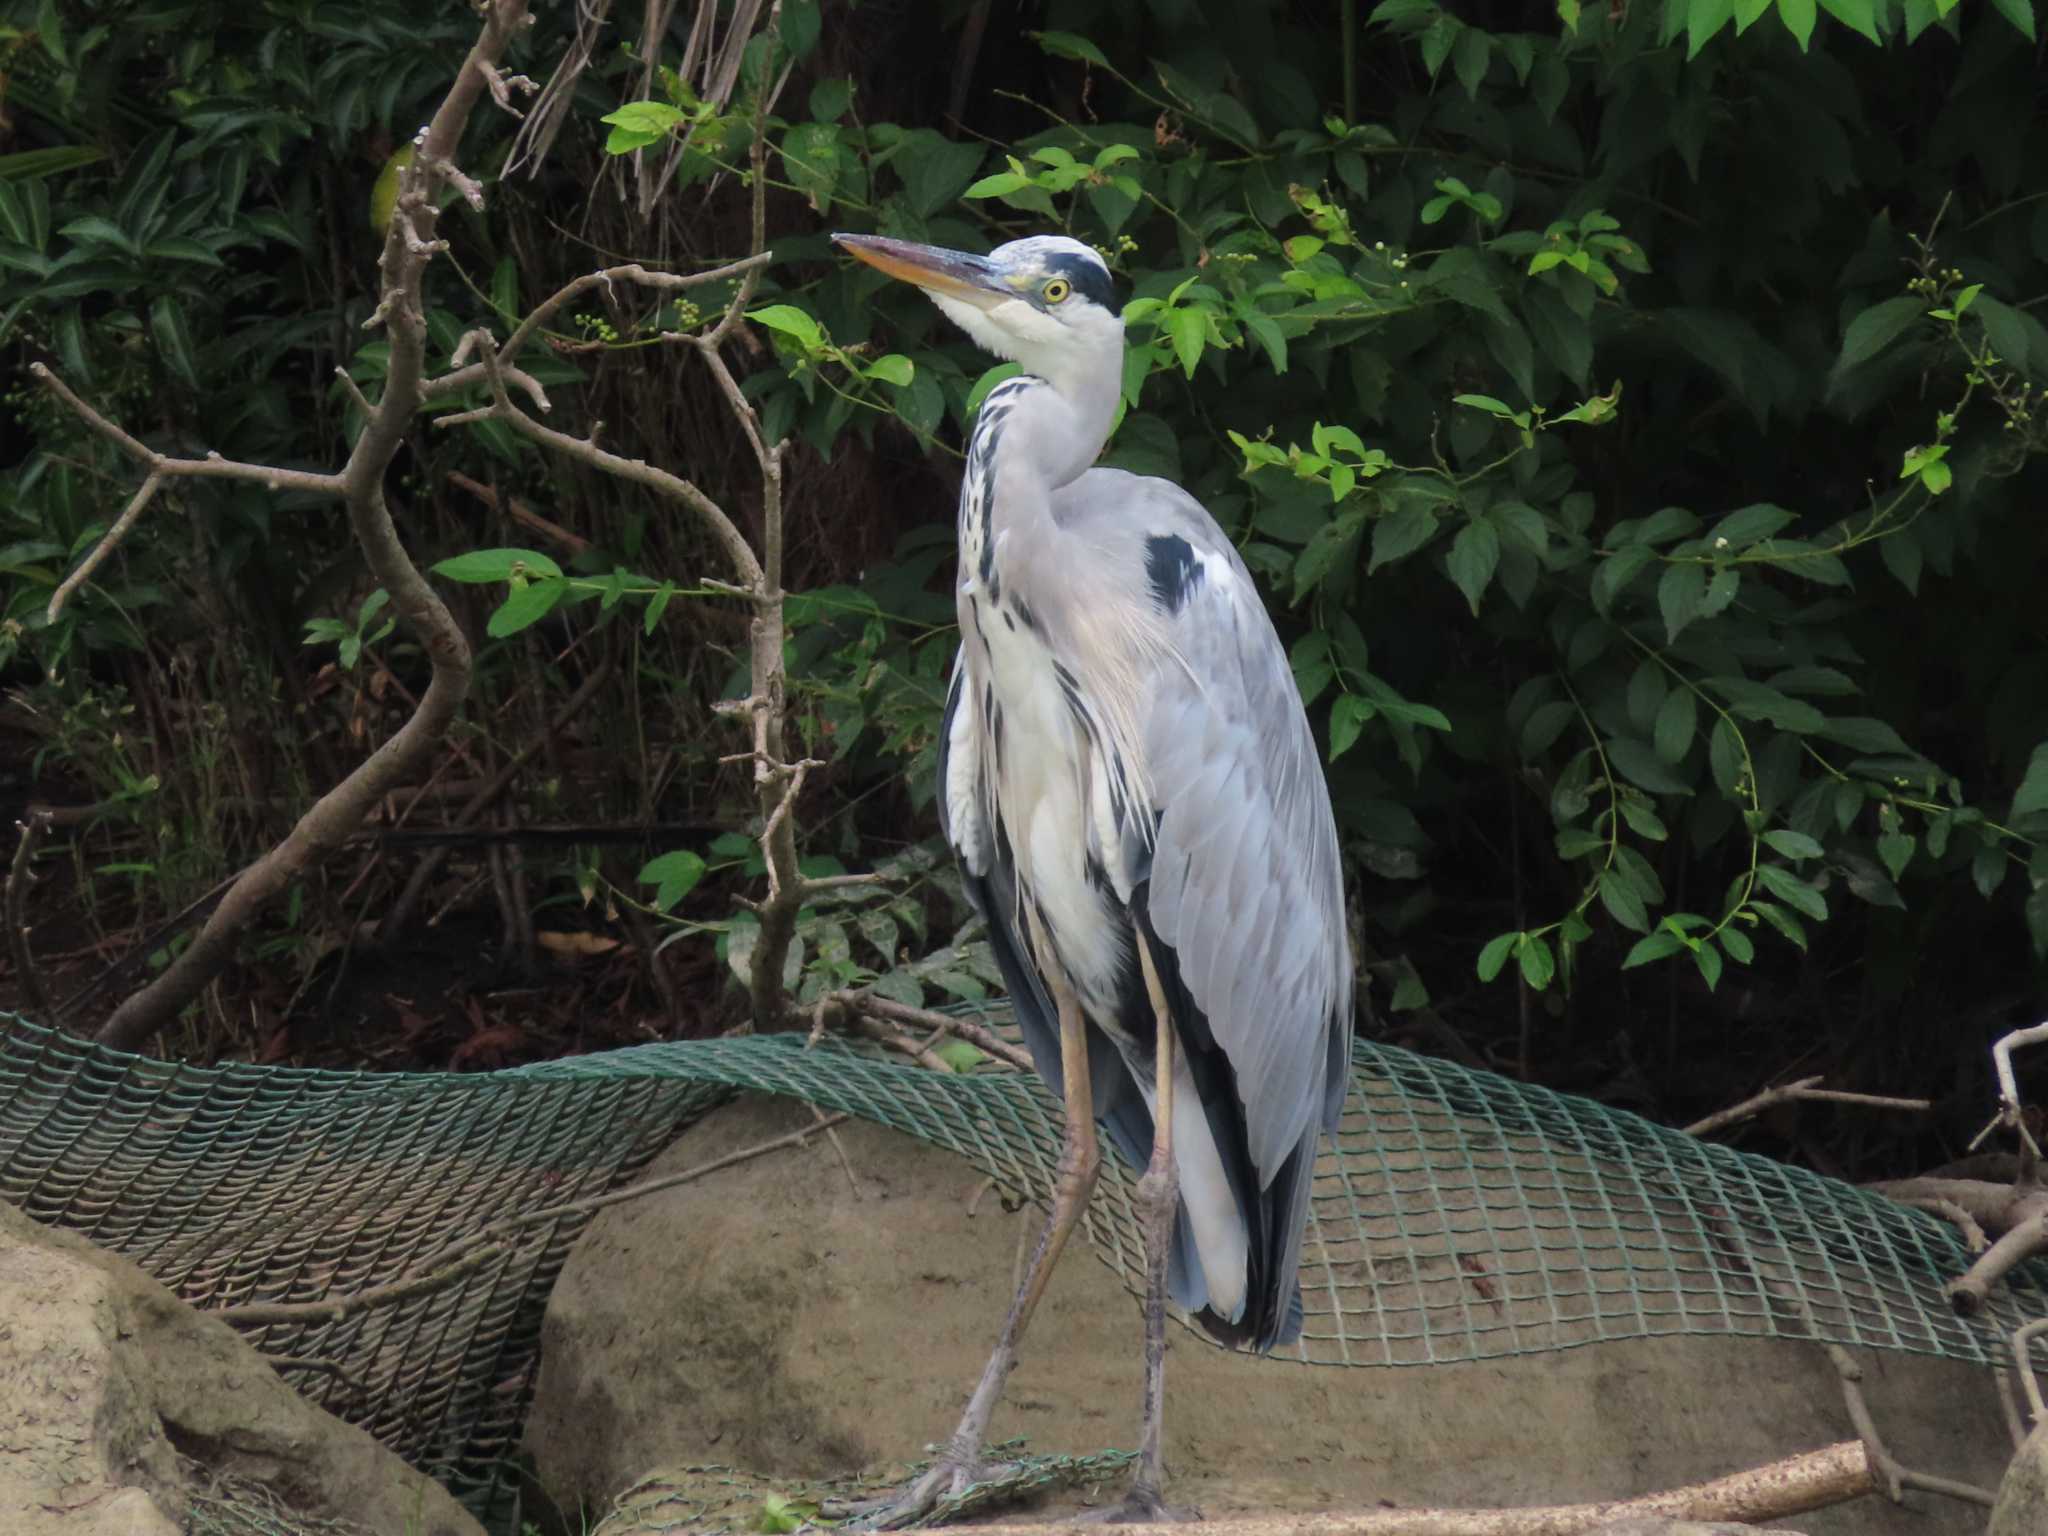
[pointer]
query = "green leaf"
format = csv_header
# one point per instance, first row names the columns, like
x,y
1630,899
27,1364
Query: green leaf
x,y
1896,849
488,565
1793,891
1474,555
1544,725
1876,327
1987,869
1622,901
2020,13
1703,19
1865,735
1858,15
1737,943
1399,534
893,368
1615,571
1488,404
1793,845
1680,592
1725,757
1781,920
1347,718
1641,766
526,606
674,875
173,341
1469,59
1538,965
1188,325
1655,946
1759,701
1495,954
1708,959
790,321
1067,45
2032,796
1001,184
1677,718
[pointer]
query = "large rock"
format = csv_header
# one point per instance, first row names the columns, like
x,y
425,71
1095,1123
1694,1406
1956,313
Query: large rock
x,y
118,1402
2022,1508
764,1318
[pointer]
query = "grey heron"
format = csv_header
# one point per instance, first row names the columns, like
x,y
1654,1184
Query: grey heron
x,y
1136,802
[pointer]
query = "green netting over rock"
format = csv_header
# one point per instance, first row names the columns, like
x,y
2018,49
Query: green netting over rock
x,y
1458,1216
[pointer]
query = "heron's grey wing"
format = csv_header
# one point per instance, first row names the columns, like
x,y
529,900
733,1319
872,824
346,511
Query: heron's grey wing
x,y
1234,876
1245,884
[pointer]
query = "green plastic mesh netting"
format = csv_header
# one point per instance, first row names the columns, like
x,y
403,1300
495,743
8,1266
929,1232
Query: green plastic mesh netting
x,y
1458,1215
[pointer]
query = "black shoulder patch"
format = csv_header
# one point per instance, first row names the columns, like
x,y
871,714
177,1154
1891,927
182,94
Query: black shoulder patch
x,y
1090,278
1175,573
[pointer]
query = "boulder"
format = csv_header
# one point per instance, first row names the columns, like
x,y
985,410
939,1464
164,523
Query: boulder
x,y
766,1319
2022,1508
119,1405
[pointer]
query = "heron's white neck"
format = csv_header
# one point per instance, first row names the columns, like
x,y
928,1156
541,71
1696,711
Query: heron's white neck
x,y
1054,428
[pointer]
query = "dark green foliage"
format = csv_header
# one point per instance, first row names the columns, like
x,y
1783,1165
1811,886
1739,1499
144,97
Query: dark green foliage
x,y
1631,411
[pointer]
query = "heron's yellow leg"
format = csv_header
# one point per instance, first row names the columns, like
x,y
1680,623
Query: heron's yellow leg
x,y
1158,1203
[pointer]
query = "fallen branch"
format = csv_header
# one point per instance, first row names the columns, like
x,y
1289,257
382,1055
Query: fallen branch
x,y
979,1036
1969,1292
495,1234
1794,1486
1895,1476
1805,1091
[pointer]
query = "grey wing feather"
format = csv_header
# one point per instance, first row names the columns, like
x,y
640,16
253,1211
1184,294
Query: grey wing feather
x,y
1245,880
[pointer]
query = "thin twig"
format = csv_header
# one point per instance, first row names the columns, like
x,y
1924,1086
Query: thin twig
x,y
2023,1352
1897,1477
109,542
1964,1223
831,1135
335,1308
494,1234
1803,1091
978,1035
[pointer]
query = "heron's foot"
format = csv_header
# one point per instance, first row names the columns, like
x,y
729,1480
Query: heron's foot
x,y
1141,1506
944,1482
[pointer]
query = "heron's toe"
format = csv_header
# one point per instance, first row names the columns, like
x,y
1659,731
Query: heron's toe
x,y
1141,1506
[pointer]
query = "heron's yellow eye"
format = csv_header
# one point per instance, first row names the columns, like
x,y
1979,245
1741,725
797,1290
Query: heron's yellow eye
x,y
1056,290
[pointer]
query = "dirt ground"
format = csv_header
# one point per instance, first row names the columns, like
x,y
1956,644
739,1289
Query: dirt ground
x,y
766,1319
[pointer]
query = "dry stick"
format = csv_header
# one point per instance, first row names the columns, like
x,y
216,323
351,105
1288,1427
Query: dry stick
x,y
1777,1491
1896,1476
1972,1234
977,1035
12,903
1969,1292
519,512
497,1231
444,1267
1803,1091
2022,1350
409,247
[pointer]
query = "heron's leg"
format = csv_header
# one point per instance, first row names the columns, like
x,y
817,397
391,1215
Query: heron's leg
x,y
959,1464
1158,1204
1075,1180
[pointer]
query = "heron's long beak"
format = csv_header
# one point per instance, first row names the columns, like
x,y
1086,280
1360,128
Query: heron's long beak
x,y
974,279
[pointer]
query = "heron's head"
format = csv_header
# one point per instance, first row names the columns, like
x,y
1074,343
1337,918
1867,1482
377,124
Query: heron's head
x,y
1047,302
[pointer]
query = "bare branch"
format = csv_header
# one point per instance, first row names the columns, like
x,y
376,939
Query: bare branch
x,y
975,1034
1777,1491
1968,1293
213,466
408,247
467,374
109,542
1964,1223
1803,1091
639,471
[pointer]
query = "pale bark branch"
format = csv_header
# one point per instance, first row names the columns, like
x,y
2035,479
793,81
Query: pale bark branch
x,y
1777,1491
1806,1090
